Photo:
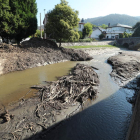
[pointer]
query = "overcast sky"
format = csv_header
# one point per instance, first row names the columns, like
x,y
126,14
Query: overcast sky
x,y
93,8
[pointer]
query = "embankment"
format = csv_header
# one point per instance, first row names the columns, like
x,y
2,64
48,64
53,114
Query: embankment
x,y
36,52
126,67
96,43
54,102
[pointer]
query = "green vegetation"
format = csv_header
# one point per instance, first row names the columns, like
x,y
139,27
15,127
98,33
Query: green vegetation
x,y
18,19
81,34
101,36
104,26
136,30
86,40
113,19
125,35
99,46
87,30
62,21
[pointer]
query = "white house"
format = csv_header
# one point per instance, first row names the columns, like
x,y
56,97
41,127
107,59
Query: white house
x,y
96,32
81,25
113,31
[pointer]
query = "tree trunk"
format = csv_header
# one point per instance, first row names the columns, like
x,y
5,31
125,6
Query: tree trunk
x,y
60,43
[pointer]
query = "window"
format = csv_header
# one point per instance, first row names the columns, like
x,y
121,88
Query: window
x,y
79,26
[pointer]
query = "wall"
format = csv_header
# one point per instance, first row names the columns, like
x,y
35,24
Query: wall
x,y
96,33
131,42
86,43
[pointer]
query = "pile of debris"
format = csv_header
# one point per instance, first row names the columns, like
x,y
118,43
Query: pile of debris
x,y
37,51
37,114
125,65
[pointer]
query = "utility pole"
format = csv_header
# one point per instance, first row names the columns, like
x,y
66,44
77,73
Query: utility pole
x,y
44,24
40,26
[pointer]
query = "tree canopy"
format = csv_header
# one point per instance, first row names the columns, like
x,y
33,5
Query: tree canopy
x,y
136,30
104,26
62,23
18,18
87,29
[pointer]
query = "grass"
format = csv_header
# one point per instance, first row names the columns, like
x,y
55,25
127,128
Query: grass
x,y
99,46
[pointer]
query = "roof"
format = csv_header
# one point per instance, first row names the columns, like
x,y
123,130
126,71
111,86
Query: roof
x,y
81,23
120,25
101,29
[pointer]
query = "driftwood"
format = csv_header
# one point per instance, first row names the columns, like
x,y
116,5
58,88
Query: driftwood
x,y
76,87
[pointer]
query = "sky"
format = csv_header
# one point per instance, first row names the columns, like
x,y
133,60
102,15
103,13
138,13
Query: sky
x,y
92,8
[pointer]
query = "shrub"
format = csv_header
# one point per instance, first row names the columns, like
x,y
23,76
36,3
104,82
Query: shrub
x,y
101,36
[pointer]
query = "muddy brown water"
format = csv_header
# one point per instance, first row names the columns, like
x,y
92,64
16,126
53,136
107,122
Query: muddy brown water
x,y
15,85
106,118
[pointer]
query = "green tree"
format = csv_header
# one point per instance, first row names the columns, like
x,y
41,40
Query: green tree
x,y
104,26
101,36
8,20
136,29
38,33
81,34
87,29
120,35
18,18
62,23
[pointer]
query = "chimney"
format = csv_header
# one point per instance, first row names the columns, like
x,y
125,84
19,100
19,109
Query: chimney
x,y
108,24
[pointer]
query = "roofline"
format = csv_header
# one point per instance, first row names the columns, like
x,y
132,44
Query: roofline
x,y
119,26
81,23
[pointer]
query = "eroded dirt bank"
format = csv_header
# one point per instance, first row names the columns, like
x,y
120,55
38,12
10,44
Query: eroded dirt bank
x,y
36,52
126,72
54,102
125,65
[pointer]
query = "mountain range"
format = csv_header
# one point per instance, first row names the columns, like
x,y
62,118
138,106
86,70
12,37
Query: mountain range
x,y
113,19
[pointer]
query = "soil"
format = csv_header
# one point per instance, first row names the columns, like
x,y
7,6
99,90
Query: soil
x,y
126,65
126,68
53,103
36,52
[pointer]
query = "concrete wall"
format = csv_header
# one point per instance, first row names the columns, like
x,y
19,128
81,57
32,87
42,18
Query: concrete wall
x,y
87,43
130,42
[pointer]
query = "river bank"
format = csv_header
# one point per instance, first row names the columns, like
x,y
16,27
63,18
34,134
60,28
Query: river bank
x,y
126,72
36,52
54,102
30,126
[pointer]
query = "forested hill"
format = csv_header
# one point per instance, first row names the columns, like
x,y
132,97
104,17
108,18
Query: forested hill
x,y
113,19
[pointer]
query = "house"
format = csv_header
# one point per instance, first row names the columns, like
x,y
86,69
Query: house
x,y
81,25
113,31
97,31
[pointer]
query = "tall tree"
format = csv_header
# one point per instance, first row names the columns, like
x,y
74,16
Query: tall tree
x,y
62,23
87,29
8,20
18,18
136,29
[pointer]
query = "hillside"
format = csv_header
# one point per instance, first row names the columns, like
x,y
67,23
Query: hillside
x,y
113,19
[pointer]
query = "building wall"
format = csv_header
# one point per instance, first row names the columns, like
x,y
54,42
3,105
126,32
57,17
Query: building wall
x,y
112,35
96,33
81,27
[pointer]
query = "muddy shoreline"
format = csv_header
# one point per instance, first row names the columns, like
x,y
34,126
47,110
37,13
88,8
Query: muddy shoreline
x,y
54,102
126,73
36,52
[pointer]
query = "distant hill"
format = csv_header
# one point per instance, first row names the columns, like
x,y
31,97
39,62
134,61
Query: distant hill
x,y
113,19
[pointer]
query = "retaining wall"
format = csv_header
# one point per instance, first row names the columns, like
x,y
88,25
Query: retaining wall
x,y
87,43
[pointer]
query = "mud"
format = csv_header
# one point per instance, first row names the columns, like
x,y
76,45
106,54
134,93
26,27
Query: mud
x,y
36,52
126,65
53,103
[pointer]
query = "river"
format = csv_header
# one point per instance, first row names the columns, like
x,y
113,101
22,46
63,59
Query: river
x,y
106,118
